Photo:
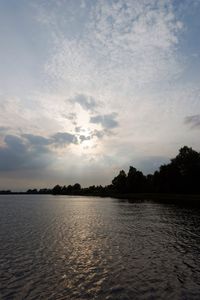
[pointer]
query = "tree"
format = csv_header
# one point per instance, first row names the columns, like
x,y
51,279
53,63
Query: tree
x,y
181,175
136,181
76,188
187,163
119,182
57,190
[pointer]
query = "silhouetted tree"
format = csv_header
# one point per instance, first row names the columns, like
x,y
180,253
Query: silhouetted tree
x,y
181,175
32,191
119,182
5,192
57,190
76,187
136,181
187,163
45,191
150,183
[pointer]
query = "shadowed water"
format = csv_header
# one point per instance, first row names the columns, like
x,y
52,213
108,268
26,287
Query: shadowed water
x,y
92,248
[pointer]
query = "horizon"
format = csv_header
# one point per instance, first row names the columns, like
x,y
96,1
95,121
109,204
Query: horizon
x,y
92,87
185,153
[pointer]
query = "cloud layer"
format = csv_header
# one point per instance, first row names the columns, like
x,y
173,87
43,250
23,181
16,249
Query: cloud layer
x,y
104,83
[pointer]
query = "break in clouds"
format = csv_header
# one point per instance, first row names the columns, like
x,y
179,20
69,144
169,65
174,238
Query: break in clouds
x,y
91,87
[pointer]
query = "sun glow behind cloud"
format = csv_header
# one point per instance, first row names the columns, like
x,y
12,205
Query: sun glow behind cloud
x,y
109,89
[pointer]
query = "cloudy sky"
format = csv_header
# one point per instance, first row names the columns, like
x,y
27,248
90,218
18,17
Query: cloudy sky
x,y
88,87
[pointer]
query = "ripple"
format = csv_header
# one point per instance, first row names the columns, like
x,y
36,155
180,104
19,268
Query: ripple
x,y
90,248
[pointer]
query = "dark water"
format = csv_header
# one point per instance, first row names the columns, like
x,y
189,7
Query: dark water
x,y
92,248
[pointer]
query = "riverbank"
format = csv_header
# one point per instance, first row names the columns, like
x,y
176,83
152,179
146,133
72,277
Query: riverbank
x,y
155,197
189,199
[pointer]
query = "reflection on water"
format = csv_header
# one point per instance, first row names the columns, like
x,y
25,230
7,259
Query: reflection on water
x,y
92,248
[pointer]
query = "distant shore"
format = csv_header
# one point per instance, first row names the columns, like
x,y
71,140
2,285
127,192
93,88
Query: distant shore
x,y
190,199
159,197
176,182
156,197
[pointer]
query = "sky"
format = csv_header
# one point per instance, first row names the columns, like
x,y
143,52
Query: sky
x,y
90,87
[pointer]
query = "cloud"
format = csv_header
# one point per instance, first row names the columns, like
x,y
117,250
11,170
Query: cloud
x,y
30,151
193,121
124,54
127,30
84,138
133,42
15,142
107,121
100,133
63,138
16,154
88,103
58,139
37,141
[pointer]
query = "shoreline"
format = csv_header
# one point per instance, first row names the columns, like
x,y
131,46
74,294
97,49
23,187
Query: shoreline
x,y
132,197
154,197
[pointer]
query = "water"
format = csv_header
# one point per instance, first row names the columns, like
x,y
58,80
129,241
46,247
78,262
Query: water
x,y
92,248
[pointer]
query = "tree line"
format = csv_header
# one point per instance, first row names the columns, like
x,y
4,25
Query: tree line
x,y
181,175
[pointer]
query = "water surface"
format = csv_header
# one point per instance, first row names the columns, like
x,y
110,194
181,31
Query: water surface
x,y
91,248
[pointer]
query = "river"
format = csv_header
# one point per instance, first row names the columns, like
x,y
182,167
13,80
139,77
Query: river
x,y
64,247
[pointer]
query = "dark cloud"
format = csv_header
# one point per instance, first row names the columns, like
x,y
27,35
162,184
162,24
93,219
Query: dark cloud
x,y
84,138
63,138
86,102
30,151
100,133
16,154
37,141
15,142
193,121
107,121
58,139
